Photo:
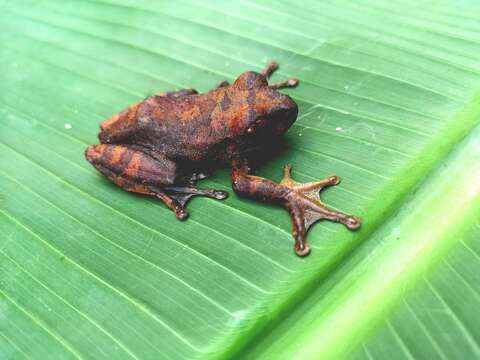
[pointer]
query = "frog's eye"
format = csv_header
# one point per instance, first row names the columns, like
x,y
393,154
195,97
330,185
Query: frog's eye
x,y
256,125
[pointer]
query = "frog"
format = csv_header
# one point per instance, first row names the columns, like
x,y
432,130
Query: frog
x,y
163,145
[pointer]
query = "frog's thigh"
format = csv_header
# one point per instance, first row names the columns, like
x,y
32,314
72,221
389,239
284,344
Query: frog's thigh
x,y
131,169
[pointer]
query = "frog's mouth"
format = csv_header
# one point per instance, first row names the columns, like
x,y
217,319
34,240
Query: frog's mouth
x,y
259,152
257,126
274,124
284,120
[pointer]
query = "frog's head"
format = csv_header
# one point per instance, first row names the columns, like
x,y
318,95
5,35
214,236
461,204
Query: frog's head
x,y
270,113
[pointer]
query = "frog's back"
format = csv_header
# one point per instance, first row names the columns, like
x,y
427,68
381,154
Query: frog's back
x,y
185,127
161,110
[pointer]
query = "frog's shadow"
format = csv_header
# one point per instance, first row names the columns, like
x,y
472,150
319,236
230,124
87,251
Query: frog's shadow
x,y
268,152
257,157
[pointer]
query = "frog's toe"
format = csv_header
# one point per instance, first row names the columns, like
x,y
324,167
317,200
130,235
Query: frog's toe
x,y
219,194
352,222
181,214
302,249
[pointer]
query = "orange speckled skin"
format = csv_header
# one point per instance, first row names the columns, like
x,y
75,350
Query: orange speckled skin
x,y
160,146
209,127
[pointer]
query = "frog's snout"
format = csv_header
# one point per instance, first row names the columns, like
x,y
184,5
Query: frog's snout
x,y
286,116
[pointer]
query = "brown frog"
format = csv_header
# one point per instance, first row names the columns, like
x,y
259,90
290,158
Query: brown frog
x,y
161,146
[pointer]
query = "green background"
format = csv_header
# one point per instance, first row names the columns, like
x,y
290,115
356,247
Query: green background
x,y
389,101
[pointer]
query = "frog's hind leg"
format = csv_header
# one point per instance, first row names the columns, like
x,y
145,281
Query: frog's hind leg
x,y
270,69
176,206
184,193
188,189
135,171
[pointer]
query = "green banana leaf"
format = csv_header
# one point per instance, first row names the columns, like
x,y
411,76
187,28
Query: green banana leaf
x,y
389,100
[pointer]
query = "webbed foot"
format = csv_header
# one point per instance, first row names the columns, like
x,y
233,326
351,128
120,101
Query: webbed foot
x,y
306,208
137,171
184,193
302,201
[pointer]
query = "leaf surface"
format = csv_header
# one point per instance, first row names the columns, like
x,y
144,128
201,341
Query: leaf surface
x,y
389,101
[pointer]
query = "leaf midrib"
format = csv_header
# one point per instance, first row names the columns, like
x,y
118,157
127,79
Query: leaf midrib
x,y
301,293
338,273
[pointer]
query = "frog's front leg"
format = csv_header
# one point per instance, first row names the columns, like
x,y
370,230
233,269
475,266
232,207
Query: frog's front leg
x,y
149,174
302,201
